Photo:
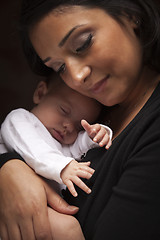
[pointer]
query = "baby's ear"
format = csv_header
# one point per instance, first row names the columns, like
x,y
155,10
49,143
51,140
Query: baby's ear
x,y
40,92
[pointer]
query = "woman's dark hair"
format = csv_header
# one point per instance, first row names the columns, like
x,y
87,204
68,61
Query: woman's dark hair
x,y
145,12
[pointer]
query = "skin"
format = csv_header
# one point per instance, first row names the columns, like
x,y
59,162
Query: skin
x,y
35,224
112,78
110,70
61,110
87,67
72,227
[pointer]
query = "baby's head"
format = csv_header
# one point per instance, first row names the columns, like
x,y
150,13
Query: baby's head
x,y
61,109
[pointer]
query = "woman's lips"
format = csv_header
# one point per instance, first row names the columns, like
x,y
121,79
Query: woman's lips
x,y
98,87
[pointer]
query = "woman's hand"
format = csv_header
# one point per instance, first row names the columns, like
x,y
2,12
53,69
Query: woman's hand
x,y
23,203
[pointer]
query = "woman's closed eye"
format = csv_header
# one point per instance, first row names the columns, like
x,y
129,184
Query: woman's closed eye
x,y
61,69
86,44
83,43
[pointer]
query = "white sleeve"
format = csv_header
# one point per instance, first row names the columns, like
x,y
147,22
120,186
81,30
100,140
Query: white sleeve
x,y
24,133
83,143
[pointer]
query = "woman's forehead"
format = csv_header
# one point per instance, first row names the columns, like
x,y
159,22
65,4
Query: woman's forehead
x,y
62,9
57,26
65,13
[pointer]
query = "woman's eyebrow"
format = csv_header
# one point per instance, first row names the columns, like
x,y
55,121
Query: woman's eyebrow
x,y
46,59
62,42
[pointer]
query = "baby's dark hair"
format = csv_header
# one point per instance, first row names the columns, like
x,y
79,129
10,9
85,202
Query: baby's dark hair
x,y
54,79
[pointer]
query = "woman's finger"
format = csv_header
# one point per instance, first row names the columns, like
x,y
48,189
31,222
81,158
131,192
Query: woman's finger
x,y
23,211
14,232
42,226
57,202
26,229
3,232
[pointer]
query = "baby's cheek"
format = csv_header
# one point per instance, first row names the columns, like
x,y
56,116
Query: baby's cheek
x,y
71,138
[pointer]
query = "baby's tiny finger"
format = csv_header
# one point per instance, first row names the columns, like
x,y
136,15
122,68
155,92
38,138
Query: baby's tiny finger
x,y
87,169
84,174
93,133
108,144
100,136
104,141
84,163
94,130
71,188
82,185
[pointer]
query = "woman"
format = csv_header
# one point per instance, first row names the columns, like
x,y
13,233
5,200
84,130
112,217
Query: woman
x,y
110,51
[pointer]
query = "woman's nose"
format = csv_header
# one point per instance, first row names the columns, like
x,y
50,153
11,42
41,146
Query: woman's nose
x,y
78,72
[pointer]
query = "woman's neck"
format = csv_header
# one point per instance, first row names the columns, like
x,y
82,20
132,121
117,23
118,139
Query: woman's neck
x,y
119,116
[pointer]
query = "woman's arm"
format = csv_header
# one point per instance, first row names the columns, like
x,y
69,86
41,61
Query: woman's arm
x,y
23,203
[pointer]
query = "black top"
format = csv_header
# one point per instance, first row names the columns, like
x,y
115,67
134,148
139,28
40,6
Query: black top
x,y
125,199
5,157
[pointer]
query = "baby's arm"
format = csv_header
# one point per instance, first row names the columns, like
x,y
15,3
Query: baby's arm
x,y
98,133
72,173
24,133
85,142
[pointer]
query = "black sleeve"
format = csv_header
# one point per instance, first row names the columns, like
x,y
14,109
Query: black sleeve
x,y
5,157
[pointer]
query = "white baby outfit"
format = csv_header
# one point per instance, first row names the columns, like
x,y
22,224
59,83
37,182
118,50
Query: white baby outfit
x,y
23,132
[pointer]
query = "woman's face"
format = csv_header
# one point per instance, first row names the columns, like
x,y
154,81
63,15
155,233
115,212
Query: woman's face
x,y
93,53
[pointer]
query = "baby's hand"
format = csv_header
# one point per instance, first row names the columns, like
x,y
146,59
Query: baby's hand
x,y
97,133
72,174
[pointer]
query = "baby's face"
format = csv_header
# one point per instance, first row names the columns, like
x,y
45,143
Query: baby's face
x,y
61,112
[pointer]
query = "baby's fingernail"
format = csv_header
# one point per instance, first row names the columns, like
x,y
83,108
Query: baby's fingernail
x,y
94,139
89,191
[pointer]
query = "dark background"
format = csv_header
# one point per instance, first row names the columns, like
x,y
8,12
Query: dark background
x,y
17,82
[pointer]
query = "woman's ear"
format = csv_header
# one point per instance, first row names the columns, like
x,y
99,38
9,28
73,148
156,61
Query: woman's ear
x,y
40,92
133,21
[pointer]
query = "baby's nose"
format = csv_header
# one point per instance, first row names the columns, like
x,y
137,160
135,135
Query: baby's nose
x,y
69,127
